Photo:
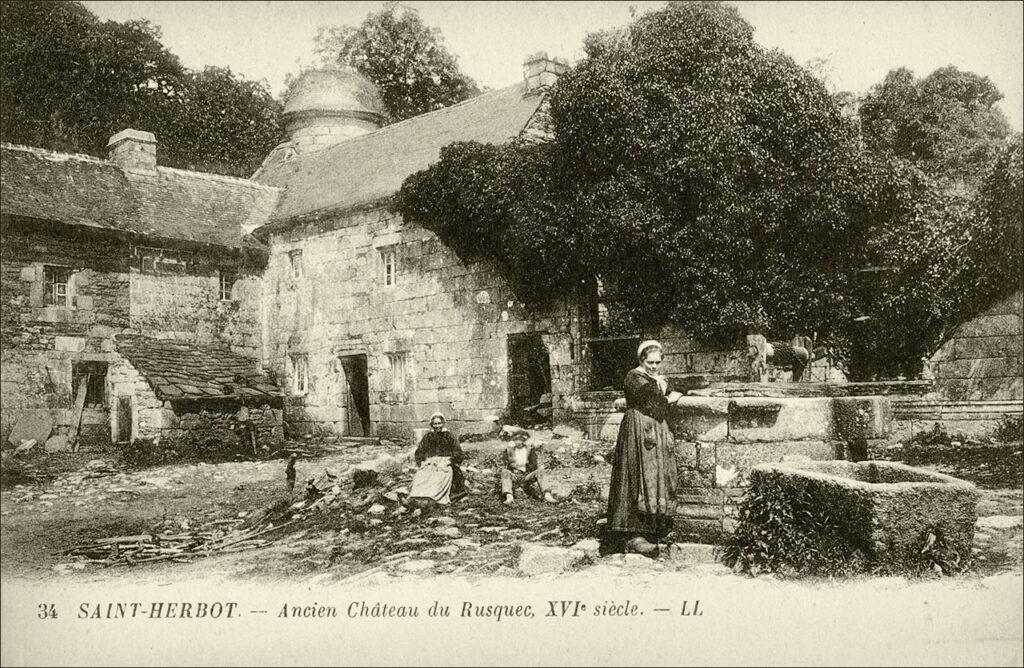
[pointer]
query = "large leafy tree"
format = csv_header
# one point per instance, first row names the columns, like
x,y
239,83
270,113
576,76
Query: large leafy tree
x,y
706,181
946,123
952,254
68,81
405,58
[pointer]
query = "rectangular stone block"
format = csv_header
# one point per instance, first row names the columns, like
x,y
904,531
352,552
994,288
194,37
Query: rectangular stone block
x,y
71,344
779,419
861,417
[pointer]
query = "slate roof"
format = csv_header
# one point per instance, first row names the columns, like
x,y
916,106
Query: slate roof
x,y
168,203
179,370
370,167
73,189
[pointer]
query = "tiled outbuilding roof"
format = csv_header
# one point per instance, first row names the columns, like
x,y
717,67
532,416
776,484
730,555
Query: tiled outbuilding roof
x,y
180,370
370,167
166,203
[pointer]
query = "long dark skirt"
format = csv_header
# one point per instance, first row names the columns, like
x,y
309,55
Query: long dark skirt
x,y
643,488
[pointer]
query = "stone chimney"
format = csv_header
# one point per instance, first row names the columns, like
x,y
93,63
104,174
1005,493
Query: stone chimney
x,y
540,71
133,149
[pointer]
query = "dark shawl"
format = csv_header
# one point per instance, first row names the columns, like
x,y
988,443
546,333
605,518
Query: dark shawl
x,y
644,394
438,444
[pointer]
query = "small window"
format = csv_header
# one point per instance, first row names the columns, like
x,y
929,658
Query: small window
x,y
397,364
295,258
57,285
95,375
300,374
389,263
227,282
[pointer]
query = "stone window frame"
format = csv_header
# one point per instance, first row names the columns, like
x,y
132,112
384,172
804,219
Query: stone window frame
x,y
51,286
389,270
299,371
398,367
226,282
296,264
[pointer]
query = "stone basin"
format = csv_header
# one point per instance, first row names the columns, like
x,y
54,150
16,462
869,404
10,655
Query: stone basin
x,y
888,511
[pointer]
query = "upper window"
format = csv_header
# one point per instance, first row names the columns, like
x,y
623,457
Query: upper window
x,y
227,282
58,291
300,374
295,260
389,265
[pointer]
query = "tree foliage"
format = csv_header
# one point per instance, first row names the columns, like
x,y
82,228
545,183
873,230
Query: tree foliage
x,y
708,182
68,81
946,123
715,185
406,59
950,257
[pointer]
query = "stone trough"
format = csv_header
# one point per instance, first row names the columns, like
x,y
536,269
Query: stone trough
x,y
893,513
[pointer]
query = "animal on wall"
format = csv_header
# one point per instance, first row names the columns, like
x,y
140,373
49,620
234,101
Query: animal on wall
x,y
796,354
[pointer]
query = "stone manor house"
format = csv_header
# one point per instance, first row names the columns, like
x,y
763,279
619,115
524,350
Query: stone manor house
x,y
140,300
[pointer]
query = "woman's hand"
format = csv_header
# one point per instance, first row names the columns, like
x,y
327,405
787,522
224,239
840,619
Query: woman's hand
x,y
673,397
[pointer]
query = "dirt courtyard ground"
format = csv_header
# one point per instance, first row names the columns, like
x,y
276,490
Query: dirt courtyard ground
x,y
472,552
476,536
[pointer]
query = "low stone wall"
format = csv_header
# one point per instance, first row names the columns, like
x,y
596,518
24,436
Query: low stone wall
x,y
973,419
885,511
211,429
982,360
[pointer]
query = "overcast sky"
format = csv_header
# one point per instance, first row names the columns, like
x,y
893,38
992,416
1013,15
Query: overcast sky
x,y
860,40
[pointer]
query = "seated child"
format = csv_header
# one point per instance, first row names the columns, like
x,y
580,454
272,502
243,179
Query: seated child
x,y
522,468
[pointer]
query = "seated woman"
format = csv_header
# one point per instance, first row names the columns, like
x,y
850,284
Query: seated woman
x,y
439,479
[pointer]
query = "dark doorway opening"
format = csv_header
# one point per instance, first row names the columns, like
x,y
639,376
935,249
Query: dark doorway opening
x,y
529,372
124,419
357,401
610,359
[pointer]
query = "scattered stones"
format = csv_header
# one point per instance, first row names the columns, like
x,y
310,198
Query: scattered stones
x,y
448,532
57,444
689,554
377,509
444,521
588,546
537,559
446,551
640,562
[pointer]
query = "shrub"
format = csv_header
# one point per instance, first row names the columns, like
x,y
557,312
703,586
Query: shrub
x,y
1009,430
789,529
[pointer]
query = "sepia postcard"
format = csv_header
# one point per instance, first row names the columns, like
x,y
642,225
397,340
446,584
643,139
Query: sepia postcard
x,y
511,333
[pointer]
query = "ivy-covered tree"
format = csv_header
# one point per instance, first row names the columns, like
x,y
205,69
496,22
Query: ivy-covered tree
x,y
951,257
405,58
69,81
709,183
946,123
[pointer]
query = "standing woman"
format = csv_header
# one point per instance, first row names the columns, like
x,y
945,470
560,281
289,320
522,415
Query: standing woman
x,y
642,494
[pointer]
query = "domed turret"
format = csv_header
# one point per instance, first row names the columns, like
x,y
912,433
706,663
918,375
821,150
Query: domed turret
x,y
325,107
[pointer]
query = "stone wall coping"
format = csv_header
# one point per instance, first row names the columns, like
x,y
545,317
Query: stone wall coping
x,y
813,470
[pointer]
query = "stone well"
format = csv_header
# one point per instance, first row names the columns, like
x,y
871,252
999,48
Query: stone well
x,y
887,510
724,431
